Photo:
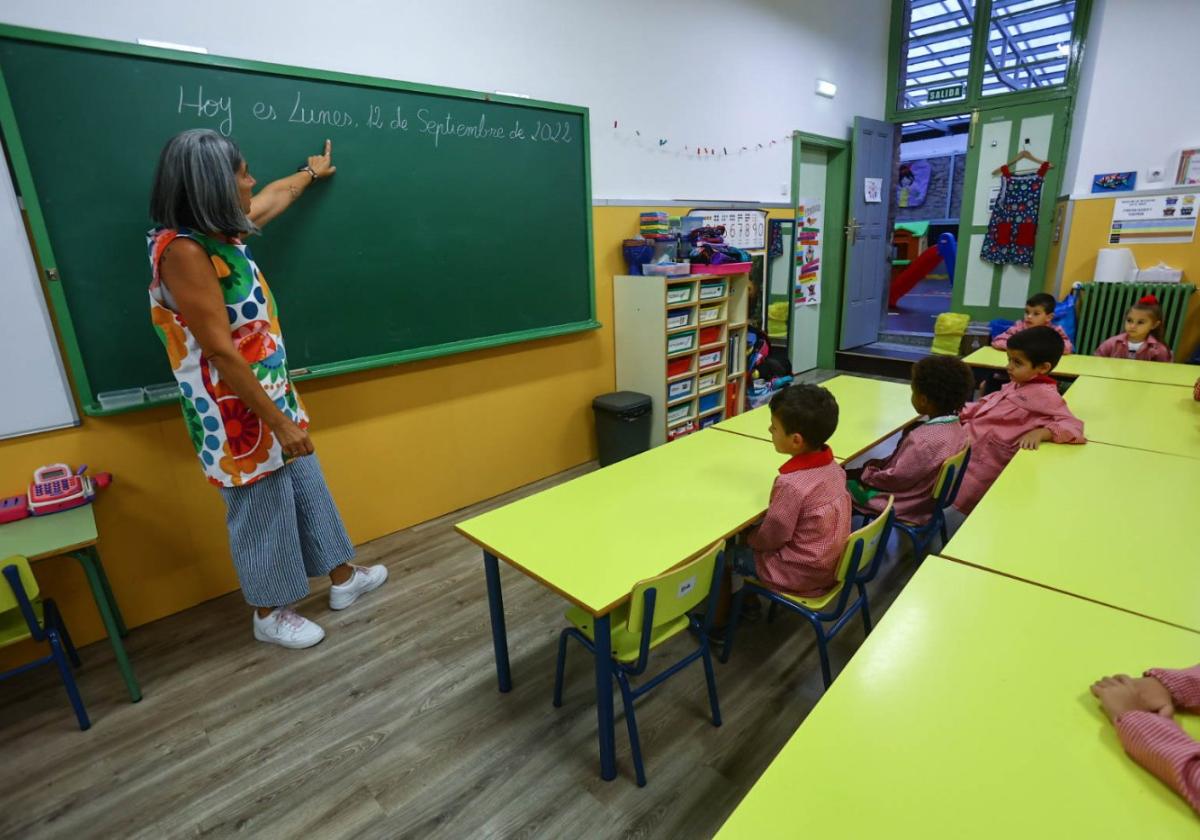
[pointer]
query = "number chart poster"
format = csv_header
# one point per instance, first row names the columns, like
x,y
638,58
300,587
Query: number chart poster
x,y
1155,218
809,219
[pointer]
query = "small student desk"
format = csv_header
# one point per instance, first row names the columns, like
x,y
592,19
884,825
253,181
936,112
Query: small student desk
x,y
1072,365
73,533
591,539
1106,523
869,411
1159,418
967,713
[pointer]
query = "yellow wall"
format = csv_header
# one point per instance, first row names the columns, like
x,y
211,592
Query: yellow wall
x,y
1090,224
399,446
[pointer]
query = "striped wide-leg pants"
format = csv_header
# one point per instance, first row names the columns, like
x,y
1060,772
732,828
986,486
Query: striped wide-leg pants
x,y
284,529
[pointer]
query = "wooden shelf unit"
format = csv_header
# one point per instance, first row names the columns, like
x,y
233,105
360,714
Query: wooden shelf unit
x,y
713,386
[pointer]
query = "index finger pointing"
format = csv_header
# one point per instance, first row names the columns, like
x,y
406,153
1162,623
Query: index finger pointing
x,y
328,148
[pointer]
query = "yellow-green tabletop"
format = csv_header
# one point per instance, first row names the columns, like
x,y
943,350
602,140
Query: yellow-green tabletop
x,y
1102,522
869,411
72,533
966,713
1159,418
1159,373
594,537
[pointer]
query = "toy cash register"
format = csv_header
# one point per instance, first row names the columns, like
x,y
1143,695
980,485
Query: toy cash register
x,y
56,488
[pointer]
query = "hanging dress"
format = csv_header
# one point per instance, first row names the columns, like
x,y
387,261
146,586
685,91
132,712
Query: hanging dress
x,y
1013,228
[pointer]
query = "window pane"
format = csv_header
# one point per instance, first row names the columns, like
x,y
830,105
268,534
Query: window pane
x,y
936,53
1029,45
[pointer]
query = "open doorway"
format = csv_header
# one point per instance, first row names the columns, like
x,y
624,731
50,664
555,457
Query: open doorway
x,y
927,197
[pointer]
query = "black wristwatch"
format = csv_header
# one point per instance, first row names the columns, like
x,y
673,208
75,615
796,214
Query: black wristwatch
x,y
309,170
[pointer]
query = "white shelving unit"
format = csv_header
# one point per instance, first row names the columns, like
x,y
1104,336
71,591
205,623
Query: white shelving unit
x,y
682,341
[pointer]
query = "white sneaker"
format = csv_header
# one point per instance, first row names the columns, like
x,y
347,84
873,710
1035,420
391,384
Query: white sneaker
x,y
362,581
287,628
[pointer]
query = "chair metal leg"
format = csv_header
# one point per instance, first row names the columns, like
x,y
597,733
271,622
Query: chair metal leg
x,y
866,610
61,627
64,671
561,667
735,613
635,744
711,679
822,649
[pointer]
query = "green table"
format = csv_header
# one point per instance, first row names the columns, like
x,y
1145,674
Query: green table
x,y
593,538
869,411
966,713
1072,365
73,533
1106,523
1158,418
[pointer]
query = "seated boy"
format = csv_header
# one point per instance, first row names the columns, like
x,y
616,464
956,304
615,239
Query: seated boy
x,y
940,387
797,546
1021,415
1039,312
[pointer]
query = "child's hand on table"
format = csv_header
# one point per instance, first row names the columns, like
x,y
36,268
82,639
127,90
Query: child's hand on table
x,y
1122,693
1032,439
1196,391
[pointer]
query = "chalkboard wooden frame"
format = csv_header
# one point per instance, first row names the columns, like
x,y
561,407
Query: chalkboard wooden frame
x,y
24,179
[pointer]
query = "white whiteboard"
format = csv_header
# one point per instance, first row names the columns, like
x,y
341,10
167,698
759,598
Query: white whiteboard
x,y
34,394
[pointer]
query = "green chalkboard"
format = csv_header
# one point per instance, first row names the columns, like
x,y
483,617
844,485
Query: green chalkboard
x,y
456,220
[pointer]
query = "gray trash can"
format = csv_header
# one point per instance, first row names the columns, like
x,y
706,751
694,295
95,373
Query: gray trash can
x,y
622,425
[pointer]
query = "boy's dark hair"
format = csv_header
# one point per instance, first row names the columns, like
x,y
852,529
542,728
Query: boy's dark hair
x,y
945,381
809,410
1045,300
1039,344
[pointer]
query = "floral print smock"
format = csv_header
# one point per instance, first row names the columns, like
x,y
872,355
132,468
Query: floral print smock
x,y
234,446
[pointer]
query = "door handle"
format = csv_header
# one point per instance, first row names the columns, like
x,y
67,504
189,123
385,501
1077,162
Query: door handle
x,y
852,229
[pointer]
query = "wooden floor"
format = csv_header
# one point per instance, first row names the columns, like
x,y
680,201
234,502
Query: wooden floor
x,y
393,726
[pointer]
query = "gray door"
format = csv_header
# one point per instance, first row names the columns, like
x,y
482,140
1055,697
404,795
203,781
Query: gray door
x,y
868,241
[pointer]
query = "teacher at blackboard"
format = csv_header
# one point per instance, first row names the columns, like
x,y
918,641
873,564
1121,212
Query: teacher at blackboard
x,y
217,319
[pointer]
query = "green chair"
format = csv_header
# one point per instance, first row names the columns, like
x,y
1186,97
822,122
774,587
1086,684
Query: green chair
x,y
23,615
657,611
858,565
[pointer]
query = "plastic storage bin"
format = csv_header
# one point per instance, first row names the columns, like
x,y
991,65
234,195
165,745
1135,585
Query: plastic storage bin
x,y
710,401
681,343
622,425
678,318
679,294
679,390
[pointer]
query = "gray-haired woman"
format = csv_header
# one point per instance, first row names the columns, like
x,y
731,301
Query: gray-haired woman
x,y
215,314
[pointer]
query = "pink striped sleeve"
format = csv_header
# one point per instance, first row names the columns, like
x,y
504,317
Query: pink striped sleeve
x,y
1162,747
1107,348
1183,684
1067,346
1001,342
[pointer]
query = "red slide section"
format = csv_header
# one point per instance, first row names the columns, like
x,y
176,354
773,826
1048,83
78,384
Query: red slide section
x,y
913,275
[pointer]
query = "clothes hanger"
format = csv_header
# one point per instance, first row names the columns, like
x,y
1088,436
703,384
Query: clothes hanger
x,y
1024,154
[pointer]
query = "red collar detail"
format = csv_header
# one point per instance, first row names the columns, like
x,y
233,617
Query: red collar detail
x,y
808,460
1042,379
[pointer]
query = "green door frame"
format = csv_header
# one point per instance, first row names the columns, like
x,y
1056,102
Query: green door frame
x,y
833,248
966,227
979,37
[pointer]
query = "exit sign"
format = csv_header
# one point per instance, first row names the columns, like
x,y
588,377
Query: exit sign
x,y
944,93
